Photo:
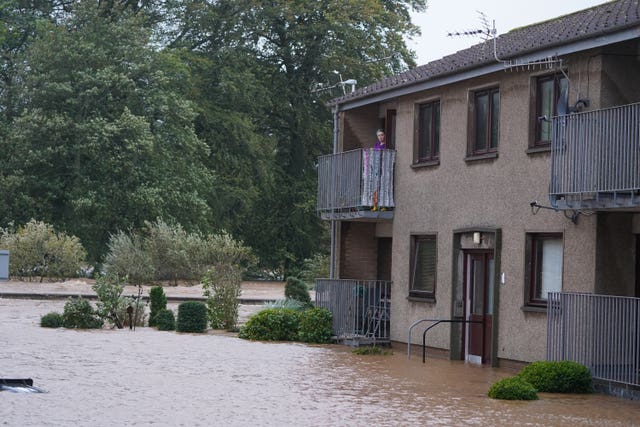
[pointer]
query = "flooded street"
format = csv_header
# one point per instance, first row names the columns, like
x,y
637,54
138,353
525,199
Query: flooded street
x,y
148,377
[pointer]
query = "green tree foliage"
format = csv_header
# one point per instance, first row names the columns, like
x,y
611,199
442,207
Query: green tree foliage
x,y
209,115
221,288
102,141
38,251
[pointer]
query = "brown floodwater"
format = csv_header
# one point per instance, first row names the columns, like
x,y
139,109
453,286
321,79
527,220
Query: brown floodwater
x,y
148,377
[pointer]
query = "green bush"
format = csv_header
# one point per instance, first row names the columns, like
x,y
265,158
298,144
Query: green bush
x,y
292,304
558,376
109,288
296,289
315,326
165,320
371,351
158,302
38,251
512,388
78,313
128,258
192,317
272,324
167,252
52,320
313,268
221,288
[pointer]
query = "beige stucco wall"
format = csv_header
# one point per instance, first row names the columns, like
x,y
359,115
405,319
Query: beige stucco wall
x,y
490,193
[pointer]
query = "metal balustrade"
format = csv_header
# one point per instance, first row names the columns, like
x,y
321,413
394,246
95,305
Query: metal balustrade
x,y
356,181
599,331
361,309
595,159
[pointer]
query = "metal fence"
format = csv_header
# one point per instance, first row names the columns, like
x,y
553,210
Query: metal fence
x,y
595,159
598,331
361,309
361,178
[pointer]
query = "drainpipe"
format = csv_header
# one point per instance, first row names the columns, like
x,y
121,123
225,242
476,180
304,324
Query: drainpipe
x,y
334,228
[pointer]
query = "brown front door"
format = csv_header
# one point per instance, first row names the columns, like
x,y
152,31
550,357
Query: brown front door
x,y
479,272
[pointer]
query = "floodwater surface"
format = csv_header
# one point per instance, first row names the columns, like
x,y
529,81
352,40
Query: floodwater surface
x,y
148,377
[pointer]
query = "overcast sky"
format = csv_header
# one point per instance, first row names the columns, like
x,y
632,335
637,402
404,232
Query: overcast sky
x,y
445,16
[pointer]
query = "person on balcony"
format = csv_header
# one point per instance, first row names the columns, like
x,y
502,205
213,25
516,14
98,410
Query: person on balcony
x,y
380,143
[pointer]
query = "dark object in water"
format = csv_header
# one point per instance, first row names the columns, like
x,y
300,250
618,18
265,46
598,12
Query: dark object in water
x,y
22,385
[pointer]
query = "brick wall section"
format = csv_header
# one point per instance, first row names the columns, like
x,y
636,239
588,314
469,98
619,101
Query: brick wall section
x,y
358,254
360,132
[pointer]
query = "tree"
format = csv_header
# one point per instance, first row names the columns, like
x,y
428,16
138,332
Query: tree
x,y
103,141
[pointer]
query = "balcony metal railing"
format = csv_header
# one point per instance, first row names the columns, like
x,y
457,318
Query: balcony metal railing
x,y
599,331
595,159
361,309
355,181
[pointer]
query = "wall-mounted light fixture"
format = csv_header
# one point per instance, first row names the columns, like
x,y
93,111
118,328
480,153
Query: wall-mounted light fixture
x,y
477,238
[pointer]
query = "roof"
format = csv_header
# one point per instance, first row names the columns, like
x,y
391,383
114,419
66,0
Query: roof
x,y
607,18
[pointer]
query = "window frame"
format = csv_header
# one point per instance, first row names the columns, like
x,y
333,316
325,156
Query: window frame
x,y
558,81
533,259
493,112
422,294
433,155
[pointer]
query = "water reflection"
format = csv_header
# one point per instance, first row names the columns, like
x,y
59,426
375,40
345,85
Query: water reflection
x,y
146,377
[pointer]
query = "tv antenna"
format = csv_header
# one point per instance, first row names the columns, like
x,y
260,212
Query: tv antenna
x,y
489,32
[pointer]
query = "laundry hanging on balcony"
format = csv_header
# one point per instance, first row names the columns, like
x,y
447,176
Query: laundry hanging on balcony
x,y
377,178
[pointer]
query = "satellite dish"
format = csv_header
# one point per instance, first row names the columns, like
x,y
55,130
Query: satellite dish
x,y
563,102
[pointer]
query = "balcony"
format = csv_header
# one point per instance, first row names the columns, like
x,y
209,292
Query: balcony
x,y
356,184
361,309
595,160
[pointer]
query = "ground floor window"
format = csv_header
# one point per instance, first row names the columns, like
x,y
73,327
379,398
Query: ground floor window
x,y
423,266
544,267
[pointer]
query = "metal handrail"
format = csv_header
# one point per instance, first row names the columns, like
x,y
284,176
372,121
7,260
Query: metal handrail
x,y
424,334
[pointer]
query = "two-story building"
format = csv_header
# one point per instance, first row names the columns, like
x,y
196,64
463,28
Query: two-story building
x,y
511,178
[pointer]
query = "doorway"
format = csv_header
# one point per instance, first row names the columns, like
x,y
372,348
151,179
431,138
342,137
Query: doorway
x,y
479,268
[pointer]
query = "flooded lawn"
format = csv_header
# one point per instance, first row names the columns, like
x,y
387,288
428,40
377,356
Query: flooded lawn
x,y
147,377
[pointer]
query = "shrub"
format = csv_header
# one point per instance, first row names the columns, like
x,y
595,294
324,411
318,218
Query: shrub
x,y
512,388
371,350
314,268
295,289
315,326
158,302
127,257
38,251
292,304
52,320
109,288
221,286
192,317
78,313
558,376
272,324
165,320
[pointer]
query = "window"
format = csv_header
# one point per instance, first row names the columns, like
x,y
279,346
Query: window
x,y
390,129
486,115
548,91
544,267
423,267
428,137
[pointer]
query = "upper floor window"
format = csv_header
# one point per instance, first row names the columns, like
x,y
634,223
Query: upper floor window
x,y
548,91
423,267
544,267
486,121
428,132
